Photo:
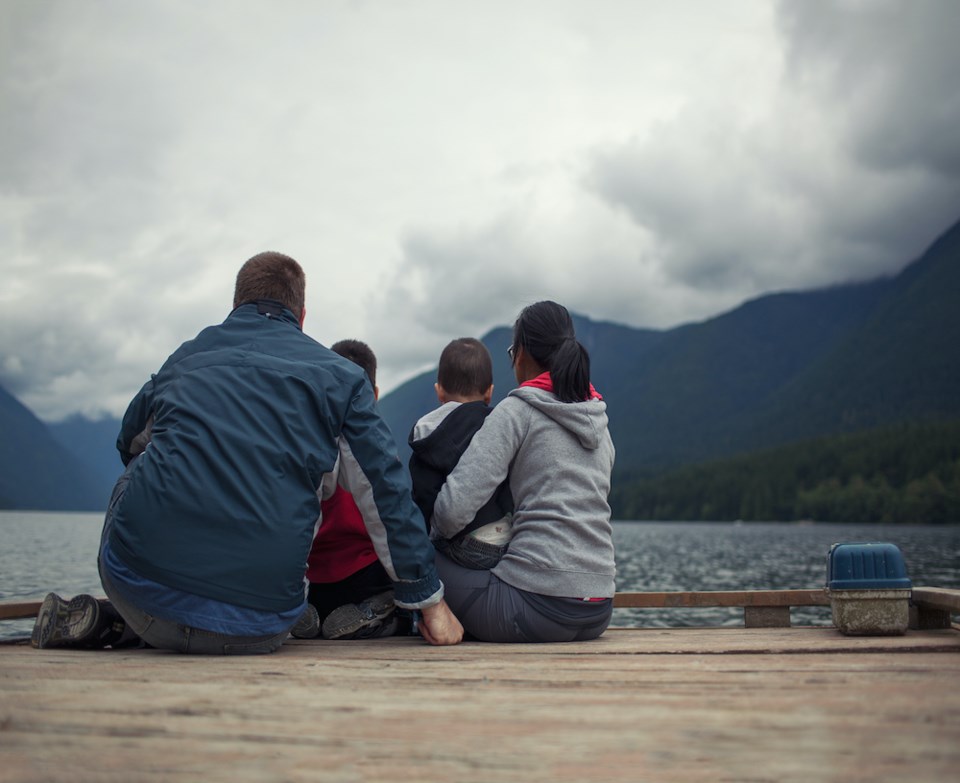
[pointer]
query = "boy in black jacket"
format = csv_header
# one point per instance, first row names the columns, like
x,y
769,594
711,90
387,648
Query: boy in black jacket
x,y
464,388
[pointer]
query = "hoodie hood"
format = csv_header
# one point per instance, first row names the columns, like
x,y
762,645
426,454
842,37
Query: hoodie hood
x,y
586,420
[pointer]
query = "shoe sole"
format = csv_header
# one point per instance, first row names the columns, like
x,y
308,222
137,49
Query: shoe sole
x,y
43,627
62,623
348,619
309,628
379,628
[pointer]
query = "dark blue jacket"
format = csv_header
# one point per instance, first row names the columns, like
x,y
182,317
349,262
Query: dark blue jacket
x,y
249,418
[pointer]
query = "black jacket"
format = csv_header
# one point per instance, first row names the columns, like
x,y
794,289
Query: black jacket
x,y
437,454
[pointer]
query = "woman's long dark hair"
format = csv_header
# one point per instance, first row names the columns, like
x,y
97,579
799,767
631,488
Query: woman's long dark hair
x,y
545,331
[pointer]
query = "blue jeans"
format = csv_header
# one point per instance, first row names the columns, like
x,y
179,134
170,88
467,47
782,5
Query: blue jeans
x,y
168,634
471,552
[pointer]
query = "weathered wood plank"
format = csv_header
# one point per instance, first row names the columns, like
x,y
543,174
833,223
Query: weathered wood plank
x,y
712,598
766,616
936,598
19,610
930,597
659,704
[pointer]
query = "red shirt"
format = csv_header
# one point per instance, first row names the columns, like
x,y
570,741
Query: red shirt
x,y
342,545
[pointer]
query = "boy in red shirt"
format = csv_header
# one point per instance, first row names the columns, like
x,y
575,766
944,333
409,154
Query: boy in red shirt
x,y
348,585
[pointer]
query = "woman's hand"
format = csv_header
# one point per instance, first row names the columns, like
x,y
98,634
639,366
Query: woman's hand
x,y
439,626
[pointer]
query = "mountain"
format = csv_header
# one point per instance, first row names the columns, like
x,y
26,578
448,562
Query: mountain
x,y
94,444
780,368
694,394
906,473
606,343
36,471
901,363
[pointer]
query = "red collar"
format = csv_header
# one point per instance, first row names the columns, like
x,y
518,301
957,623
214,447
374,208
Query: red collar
x,y
545,382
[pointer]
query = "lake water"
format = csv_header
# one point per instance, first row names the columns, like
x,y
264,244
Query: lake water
x,y
45,552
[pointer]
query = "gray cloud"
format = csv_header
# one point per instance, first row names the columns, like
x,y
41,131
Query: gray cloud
x,y
645,163
847,175
889,69
552,240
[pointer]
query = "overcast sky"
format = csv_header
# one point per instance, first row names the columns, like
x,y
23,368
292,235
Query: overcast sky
x,y
436,165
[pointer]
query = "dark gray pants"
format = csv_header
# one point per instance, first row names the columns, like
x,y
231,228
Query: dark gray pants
x,y
492,611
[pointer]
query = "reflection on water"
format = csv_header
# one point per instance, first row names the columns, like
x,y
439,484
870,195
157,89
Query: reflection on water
x,y
46,551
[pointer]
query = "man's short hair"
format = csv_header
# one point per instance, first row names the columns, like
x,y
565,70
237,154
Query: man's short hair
x,y
465,367
271,276
359,353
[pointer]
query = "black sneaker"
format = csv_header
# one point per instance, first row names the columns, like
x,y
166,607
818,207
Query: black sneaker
x,y
364,620
61,623
308,626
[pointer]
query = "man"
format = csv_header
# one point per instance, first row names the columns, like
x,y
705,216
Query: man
x,y
207,533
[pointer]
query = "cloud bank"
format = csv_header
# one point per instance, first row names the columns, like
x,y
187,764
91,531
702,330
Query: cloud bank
x,y
437,167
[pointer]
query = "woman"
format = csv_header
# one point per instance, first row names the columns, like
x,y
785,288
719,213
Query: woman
x,y
556,581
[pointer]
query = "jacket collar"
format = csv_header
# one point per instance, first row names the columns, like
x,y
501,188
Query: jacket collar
x,y
270,308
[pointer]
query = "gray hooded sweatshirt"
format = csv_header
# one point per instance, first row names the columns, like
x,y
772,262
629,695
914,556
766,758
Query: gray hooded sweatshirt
x,y
559,457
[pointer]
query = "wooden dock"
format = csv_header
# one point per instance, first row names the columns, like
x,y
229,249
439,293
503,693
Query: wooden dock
x,y
649,704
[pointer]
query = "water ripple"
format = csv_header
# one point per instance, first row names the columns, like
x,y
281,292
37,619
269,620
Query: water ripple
x,y
45,552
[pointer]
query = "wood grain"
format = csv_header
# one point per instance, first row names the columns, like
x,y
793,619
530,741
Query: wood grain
x,y
710,704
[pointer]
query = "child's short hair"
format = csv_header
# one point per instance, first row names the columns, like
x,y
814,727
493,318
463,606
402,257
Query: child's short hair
x,y
465,367
359,353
